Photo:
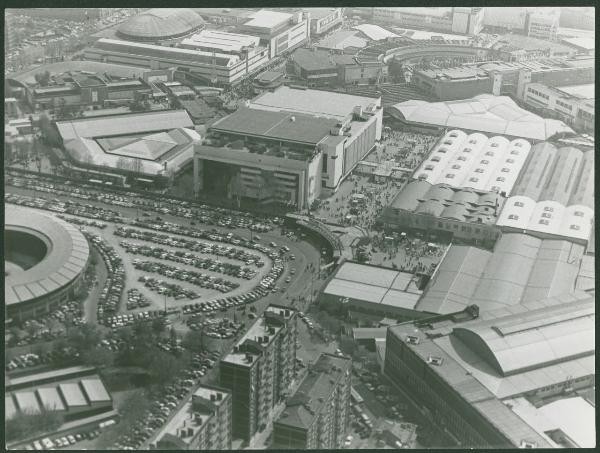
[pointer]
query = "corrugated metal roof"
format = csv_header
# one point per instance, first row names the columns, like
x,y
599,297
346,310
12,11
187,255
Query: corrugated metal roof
x,y
61,264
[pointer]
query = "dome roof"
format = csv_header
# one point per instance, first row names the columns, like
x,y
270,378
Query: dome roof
x,y
161,23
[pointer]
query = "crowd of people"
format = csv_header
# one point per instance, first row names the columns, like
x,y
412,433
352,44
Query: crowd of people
x,y
409,254
405,148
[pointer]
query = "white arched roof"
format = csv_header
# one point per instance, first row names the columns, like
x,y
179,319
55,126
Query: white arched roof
x,y
547,217
577,222
485,113
516,212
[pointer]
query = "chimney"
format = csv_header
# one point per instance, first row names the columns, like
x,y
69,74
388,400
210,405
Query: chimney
x,y
213,397
292,118
266,338
219,396
287,313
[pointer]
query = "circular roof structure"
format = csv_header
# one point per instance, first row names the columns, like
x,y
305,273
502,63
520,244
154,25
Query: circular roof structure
x,y
161,23
55,251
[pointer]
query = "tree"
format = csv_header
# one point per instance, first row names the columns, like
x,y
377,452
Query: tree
x,y
84,337
396,71
192,340
42,78
163,367
98,357
24,424
159,325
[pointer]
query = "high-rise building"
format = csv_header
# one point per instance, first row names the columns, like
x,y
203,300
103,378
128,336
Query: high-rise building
x,y
316,416
260,369
202,423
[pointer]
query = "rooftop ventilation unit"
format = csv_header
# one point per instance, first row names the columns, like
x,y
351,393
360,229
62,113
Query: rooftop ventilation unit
x,y
435,360
527,444
411,339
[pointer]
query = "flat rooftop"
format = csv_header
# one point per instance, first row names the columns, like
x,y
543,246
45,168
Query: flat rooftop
x,y
586,91
267,19
374,284
255,335
280,125
220,40
327,104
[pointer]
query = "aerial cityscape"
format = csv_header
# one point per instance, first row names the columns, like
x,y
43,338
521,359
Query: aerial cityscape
x,y
299,228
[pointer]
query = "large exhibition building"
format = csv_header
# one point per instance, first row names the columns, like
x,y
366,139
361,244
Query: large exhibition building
x,y
515,377
150,145
160,24
45,260
287,146
484,113
176,38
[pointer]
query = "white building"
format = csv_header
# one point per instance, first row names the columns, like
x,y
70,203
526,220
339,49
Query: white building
x,y
572,105
287,146
278,31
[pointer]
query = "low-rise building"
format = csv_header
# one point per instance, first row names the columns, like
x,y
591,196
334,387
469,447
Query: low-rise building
x,y
468,21
501,380
572,105
260,369
203,422
213,66
78,394
319,67
324,20
156,145
280,32
316,416
502,78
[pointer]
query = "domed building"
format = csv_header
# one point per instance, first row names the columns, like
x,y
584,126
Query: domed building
x,y
161,24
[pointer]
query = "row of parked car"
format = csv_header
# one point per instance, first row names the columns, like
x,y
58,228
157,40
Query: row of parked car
x,y
215,327
59,442
148,202
135,299
192,245
166,400
186,275
165,288
128,319
110,297
179,256
69,207
82,222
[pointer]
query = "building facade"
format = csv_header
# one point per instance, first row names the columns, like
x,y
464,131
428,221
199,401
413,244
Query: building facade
x,y
543,24
279,32
468,21
217,67
575,111
260,369
483,380
202,423
287,146
317,414
324,20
